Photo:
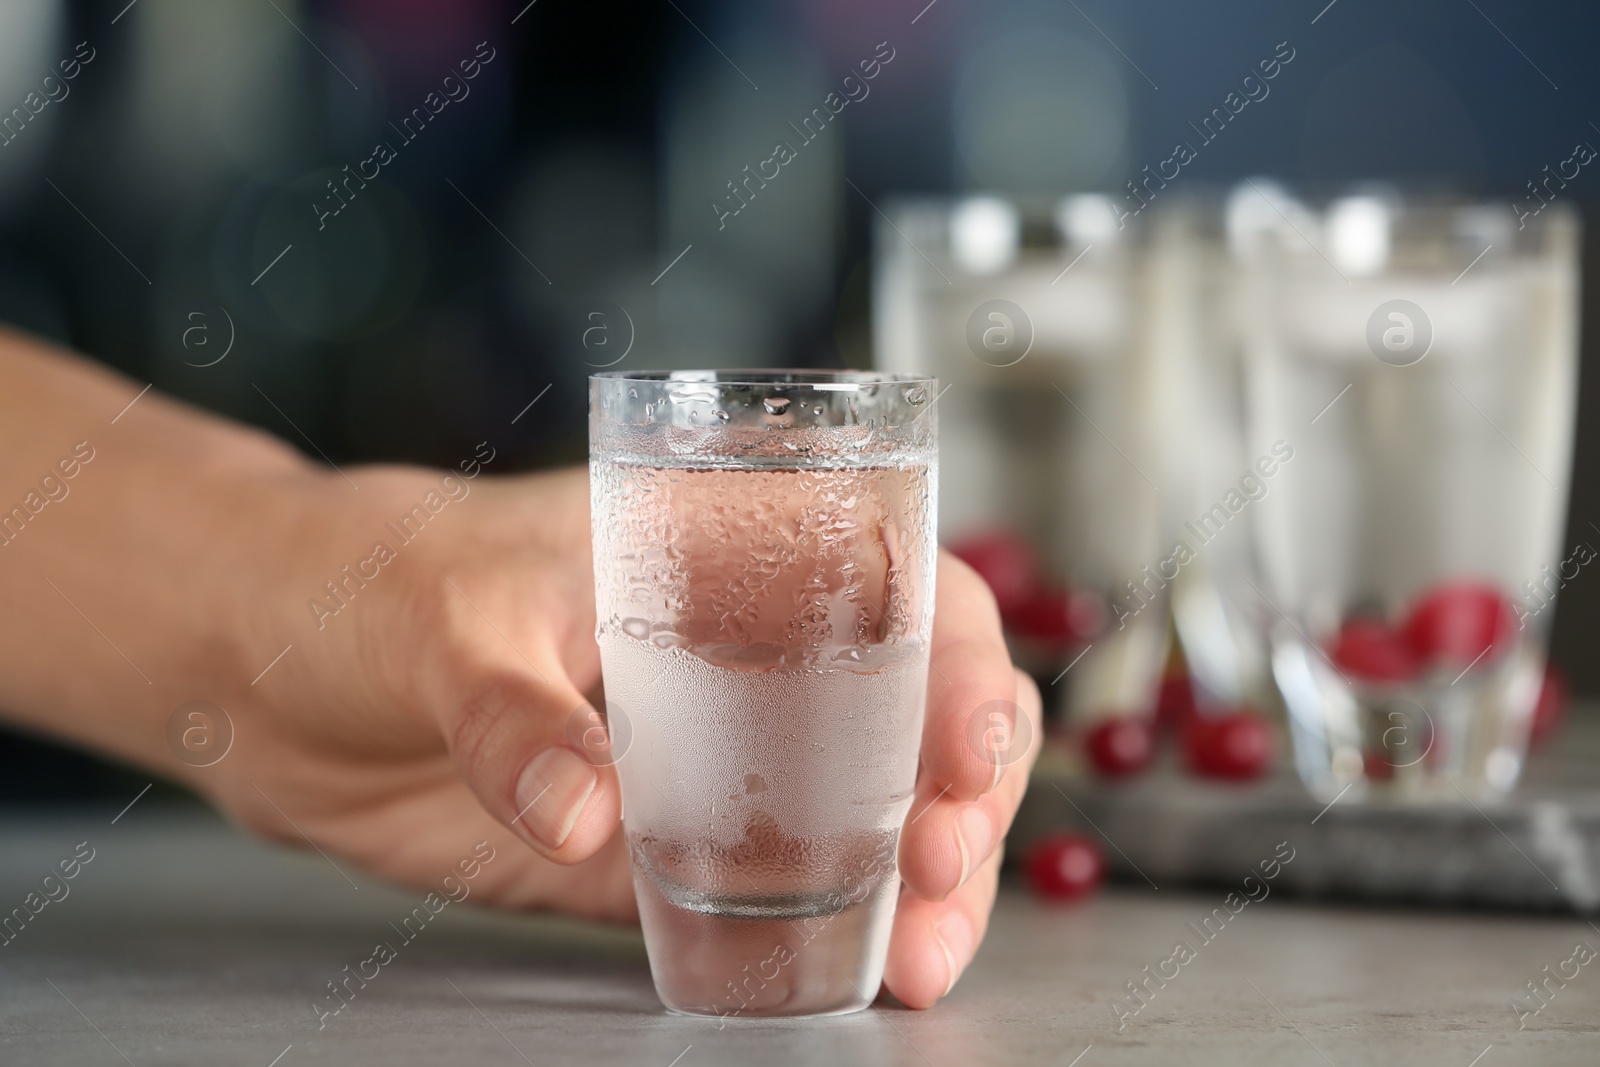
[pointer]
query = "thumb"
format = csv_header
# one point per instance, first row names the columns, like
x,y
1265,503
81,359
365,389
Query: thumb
x,y
534,752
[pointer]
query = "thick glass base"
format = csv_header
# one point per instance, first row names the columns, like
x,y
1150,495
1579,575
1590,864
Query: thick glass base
x,y
785,961
1438,739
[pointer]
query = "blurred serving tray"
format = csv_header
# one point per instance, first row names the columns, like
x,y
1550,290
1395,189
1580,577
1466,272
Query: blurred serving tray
x,y
1537,850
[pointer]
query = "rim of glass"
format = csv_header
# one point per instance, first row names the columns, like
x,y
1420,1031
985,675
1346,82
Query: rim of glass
x,y
736,376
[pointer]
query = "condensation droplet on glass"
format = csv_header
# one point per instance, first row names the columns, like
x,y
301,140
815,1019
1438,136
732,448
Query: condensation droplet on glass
x,y
639,629
916,395
776,405
817,409
754,783
722,416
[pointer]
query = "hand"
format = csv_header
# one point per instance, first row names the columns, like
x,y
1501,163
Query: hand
x,y
398,730
399,727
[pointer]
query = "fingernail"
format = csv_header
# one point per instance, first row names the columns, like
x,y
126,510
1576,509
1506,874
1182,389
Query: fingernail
x,y
975,837
551,793
954,935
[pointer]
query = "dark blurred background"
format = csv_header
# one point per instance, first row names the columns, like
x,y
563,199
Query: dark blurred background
x,y
558,210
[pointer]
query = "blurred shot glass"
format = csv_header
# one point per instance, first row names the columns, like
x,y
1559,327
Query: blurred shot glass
x,y
764,563
1417,358
1034,313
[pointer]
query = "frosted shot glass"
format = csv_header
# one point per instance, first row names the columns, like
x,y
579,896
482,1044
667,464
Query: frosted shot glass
x,y
1046,322
764,551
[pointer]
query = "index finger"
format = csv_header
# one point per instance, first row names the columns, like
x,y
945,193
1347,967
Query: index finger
x,y
975,728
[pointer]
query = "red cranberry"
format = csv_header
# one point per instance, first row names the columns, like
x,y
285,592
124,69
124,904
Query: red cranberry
x,y
1377,766
1237,746
1006,563
1457,622
1060,617
1371,651
1121,746
1552,706
1064,867
1175,704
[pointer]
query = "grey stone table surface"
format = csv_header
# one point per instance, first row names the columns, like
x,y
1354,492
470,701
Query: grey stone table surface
x,y
183,942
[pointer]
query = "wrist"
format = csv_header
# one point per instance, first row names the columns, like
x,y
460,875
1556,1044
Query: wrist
x,y
126,577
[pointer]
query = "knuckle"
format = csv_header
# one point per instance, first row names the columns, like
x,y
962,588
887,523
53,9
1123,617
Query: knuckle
x,y
434,646
479,719
410,639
